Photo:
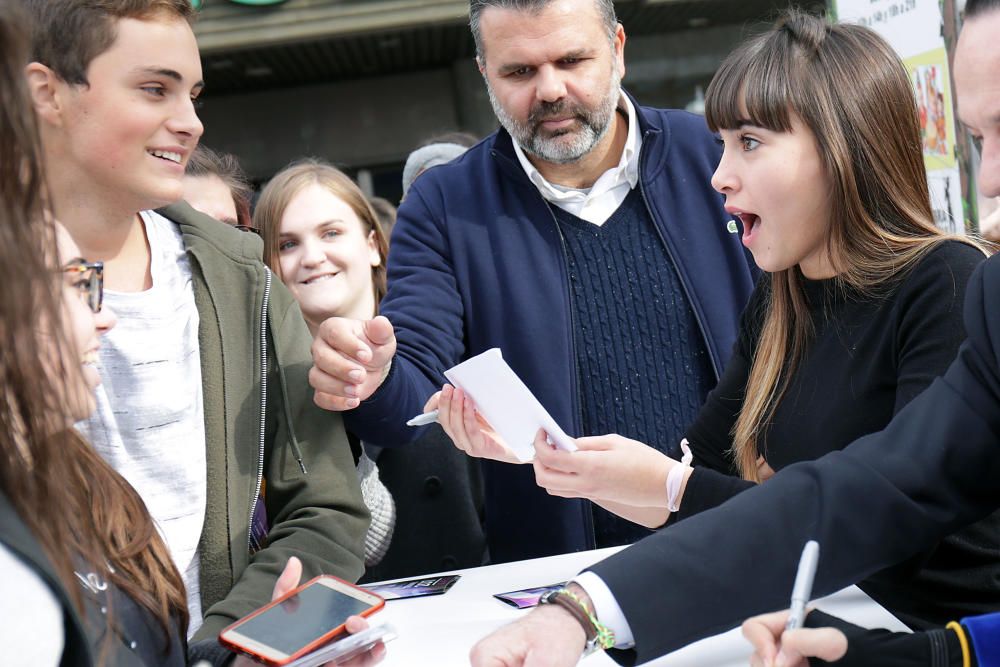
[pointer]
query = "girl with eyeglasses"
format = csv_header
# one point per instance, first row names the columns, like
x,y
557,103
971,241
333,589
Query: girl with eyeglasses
x,y
87,578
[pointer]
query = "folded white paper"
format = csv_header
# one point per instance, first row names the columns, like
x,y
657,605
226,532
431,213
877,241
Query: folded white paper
x,y
507,403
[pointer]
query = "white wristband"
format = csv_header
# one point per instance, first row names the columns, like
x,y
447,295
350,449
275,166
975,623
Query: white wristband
x,y
676,477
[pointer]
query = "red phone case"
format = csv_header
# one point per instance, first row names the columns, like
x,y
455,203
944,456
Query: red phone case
x,y
323,639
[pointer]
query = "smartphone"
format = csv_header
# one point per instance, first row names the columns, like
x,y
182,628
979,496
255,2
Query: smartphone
x,y
415,588
299,621
526,597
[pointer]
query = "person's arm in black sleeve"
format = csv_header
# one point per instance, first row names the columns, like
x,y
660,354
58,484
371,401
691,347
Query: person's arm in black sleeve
x,y
425,308
934,648
929,328
885,497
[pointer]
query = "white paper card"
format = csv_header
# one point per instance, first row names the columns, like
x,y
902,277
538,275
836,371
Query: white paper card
x,y
507,403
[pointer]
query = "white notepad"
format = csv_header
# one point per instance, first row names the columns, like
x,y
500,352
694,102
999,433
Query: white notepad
x,y
507,403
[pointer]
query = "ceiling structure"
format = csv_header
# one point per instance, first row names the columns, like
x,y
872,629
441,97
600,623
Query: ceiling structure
x,y
303,42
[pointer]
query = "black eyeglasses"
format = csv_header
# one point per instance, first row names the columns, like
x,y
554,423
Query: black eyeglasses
x,y
91,282
247,228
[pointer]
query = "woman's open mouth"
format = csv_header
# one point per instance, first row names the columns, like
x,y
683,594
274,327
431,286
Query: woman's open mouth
x,y
751,224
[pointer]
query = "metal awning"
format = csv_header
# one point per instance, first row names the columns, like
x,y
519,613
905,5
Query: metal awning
x,y
301,42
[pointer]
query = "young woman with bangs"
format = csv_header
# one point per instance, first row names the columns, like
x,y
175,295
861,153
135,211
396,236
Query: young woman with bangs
x,y
861,310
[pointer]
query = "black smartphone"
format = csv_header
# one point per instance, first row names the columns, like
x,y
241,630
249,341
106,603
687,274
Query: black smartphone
x,y
415,588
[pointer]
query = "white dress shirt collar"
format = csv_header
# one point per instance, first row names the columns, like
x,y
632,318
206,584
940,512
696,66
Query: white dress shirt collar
x,y
596,203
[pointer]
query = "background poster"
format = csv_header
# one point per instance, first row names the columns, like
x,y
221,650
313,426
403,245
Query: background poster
x,y
932,88
914,29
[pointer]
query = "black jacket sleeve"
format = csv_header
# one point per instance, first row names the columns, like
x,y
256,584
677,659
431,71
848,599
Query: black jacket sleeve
x,y
934,648
885,497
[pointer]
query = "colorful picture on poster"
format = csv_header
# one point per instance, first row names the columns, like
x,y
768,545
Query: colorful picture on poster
x,y
928,85
915,29
932,92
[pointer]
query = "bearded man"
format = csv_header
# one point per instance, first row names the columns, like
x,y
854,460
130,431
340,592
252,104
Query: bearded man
x,y
583,238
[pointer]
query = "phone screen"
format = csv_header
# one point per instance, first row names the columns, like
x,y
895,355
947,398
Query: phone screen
x,y
301,619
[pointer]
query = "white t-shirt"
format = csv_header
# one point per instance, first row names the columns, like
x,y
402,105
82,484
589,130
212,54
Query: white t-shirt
x,y
31,631
149,423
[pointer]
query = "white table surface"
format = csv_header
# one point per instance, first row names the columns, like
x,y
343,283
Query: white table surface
x,y
441,629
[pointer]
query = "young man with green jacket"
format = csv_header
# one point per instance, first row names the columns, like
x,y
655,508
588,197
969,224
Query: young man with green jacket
x,y
205,406
308,467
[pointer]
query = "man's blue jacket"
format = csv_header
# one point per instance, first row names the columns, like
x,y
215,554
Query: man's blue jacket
x,y
477,261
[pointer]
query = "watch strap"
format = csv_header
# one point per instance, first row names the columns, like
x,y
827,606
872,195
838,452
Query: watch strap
x,y
599,636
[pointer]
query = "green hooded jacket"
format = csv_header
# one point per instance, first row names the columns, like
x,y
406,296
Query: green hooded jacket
x,y
261,425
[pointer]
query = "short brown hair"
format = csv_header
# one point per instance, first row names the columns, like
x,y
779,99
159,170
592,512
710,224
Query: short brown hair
x,y
974,8
66,35
287,183
606,9
206,162
385,212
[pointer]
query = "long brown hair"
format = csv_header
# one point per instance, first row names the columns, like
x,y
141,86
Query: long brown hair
x,y
282,188
853,93
75,505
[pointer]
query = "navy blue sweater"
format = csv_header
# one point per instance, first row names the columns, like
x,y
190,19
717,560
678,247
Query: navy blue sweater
x,y
477,262
647,348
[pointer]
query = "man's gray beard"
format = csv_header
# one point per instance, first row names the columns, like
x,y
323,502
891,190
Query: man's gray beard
x,y
568,146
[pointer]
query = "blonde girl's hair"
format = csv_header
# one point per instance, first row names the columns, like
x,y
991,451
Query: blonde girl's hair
x,y
850,89
279,192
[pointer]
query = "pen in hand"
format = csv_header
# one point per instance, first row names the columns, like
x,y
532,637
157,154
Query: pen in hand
x,y
802,590
424,419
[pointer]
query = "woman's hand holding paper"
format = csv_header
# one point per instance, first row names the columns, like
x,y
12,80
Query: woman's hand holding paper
x,y
466,427
616,472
